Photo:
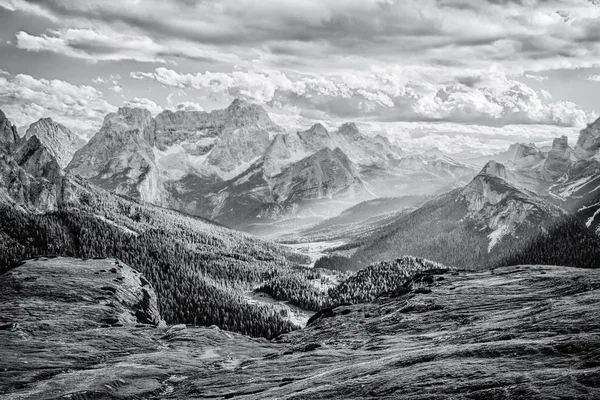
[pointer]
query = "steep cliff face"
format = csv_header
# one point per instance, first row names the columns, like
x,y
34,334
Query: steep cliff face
x,y
56,138
559,159
576,187
361,149
120,157
486,217
494,168
246,136
528,154
325,174
8,134
496,205
222,143
588,142
30,177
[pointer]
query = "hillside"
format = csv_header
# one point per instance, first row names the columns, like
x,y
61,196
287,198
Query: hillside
x,y
355,222
200,269
472,227
520,333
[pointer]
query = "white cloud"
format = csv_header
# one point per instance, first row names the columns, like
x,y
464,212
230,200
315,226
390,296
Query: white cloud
x,y
26,99
93,45
189,106
538,78
116,88
98,80
142,102
546,94
507,36
105,44
447,60
416,137
22,5
594,78
489,99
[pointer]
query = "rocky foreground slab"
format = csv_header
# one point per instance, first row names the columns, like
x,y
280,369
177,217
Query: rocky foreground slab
x,y
90,330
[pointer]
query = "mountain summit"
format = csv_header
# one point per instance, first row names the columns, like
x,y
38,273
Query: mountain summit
x,y
57,138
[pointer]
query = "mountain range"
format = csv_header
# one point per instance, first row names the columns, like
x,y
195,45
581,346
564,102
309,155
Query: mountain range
x,y
237,167
549,200
105,269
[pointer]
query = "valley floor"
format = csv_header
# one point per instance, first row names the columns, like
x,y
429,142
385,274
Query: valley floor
x,y
528,332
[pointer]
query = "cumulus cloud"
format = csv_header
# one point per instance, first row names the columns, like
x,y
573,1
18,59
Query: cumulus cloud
x,y
142,102
469,140
594,78
382,60
189,106
493,99
26,99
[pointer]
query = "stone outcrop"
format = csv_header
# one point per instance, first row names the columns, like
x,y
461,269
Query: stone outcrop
x,y
325,174
8,134
588,142
528,154
495,169
30,177
361,149
559,159
56,138
120,157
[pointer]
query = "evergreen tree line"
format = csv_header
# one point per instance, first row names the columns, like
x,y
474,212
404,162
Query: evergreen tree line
x,y
199,279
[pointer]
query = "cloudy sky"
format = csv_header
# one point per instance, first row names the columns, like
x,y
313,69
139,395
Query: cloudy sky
x,y
464,75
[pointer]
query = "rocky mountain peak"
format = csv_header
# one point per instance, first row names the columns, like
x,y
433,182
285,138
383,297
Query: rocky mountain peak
x,y
8,134
57,138
239,103
588,142
134,113
127,119
323,174
560,144
318,129
559,159
350,131
242,114
34,157
525,150
494,168
29,173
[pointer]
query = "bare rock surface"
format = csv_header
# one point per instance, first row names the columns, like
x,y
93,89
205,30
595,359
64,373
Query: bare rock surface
x,y
559,159
8,134
527,332
57,138
588,142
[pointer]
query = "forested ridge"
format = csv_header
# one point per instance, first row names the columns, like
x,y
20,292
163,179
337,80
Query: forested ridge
x,y
443,231
200,270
